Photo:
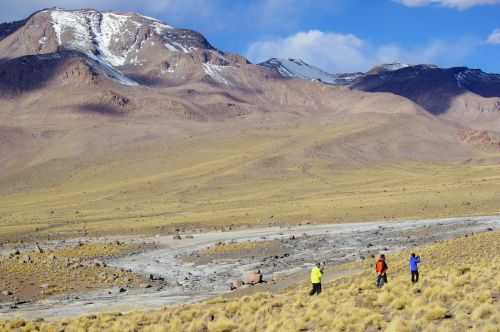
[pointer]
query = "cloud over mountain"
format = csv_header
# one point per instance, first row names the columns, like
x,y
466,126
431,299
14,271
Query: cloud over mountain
x,y
336,52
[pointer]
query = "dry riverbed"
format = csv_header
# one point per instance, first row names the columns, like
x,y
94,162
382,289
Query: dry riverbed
x,y
191,267
39,272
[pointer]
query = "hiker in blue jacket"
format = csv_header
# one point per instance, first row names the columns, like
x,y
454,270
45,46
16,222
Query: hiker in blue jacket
x,y
414,261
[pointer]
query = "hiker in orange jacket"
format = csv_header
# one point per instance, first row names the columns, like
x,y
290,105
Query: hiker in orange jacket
x,y
381,269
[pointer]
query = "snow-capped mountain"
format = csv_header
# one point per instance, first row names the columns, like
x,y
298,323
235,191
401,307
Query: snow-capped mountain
x,y
120,39
296,68
128,47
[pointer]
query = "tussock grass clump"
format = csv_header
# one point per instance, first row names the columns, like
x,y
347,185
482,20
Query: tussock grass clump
x,y
459,290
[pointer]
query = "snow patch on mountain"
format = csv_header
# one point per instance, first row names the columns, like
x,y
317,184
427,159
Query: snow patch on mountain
x,y
469,76
94,33
111,72
216,72
299,69
394,66
296,68
91,32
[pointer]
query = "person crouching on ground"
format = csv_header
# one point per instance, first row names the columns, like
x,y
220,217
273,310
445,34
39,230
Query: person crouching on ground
x,y
381,269
316,275
414,261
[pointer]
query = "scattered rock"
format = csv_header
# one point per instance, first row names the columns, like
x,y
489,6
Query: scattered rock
x,y
177,237
156,278
98,263
145,286
235,284
6,293
253,278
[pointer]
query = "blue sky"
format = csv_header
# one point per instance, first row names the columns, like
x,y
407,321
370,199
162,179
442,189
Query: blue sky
x,y
336,35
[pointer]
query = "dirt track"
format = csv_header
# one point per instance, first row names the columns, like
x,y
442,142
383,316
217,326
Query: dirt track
x,y
299,247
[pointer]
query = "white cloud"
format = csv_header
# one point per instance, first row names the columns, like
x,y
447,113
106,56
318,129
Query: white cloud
x,y
458,4
494,38
336,52
331,51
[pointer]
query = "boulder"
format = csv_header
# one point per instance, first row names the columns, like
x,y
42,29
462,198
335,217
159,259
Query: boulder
x,y
235,284
253,278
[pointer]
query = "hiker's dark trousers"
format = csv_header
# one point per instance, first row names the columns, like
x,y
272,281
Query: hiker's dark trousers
x,y
414,276
316,289
381,280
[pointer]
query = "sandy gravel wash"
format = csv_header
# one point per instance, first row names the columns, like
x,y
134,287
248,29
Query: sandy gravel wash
x,y
189,282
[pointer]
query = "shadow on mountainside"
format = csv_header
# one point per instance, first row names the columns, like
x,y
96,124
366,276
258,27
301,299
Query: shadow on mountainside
x,y
147,80
430,87
6,29
33,72
102,109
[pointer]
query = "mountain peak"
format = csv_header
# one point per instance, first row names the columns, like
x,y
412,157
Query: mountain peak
x,y
298,68
387,67
144,48
107,35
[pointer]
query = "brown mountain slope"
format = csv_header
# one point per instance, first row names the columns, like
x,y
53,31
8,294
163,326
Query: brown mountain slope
x,y
187,134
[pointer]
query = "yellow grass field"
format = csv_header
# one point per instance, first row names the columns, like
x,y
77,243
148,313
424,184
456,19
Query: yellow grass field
x,y
459,290
254,179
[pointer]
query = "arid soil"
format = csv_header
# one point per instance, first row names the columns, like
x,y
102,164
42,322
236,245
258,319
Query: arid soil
x,y
196,267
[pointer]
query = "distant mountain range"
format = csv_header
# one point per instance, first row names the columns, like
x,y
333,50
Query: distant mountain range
x,y
429,86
